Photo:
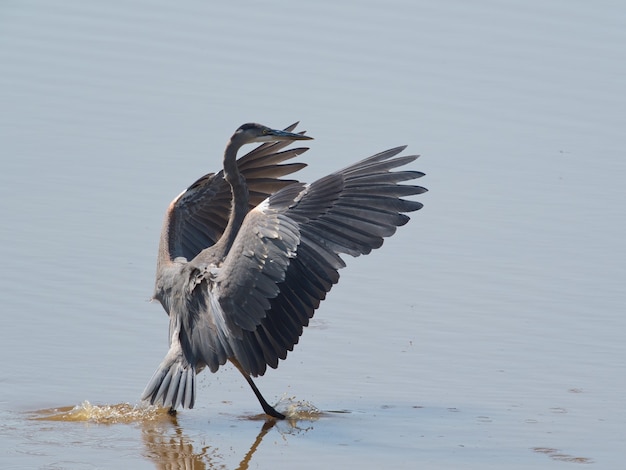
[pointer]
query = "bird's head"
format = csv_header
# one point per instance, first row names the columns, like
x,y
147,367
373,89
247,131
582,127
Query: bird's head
x,y
252,132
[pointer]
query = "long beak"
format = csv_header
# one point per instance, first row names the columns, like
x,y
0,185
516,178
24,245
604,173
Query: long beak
x,y
284,135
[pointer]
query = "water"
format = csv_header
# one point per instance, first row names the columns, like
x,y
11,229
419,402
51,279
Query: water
x,y
487,333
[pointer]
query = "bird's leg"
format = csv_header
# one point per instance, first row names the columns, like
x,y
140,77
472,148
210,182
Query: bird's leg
x,y
267,408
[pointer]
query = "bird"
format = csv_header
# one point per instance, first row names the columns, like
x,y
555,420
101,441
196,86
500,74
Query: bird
x,y
245,256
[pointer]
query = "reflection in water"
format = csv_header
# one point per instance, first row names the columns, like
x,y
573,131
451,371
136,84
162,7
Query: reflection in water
x,y
169,448
176,451
165,442
269,424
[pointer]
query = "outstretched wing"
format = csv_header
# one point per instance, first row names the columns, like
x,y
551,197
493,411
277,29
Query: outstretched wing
x,y
196,219
286,258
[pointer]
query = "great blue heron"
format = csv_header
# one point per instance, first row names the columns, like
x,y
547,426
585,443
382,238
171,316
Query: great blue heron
x,y
245,257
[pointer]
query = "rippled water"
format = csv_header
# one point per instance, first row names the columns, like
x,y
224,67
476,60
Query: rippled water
x,y
488,333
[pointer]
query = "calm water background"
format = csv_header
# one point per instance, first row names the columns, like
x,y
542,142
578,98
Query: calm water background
x,y
488,333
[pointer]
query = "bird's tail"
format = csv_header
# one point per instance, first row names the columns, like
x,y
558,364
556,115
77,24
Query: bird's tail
x,y
173,383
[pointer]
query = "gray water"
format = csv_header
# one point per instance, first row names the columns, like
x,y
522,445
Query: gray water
x,y
487,333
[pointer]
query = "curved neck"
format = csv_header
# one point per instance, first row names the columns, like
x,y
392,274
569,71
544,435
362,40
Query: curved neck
x,y
239,204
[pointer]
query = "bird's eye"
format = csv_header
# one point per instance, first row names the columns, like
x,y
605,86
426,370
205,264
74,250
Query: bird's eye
x,y
266,131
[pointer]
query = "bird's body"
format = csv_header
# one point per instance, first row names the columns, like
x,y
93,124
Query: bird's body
x,y
246,257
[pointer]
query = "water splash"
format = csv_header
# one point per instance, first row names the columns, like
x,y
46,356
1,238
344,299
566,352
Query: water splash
x,y
298,410
103,414
294,410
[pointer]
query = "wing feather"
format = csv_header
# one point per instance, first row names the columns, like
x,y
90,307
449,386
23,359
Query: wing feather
x,y
287,253
254,267
197,218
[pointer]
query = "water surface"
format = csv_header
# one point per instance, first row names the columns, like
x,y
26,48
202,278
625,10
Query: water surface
x,y
488,333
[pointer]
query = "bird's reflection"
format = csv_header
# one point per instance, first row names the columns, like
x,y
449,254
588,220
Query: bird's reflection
x,y
170,448
267,425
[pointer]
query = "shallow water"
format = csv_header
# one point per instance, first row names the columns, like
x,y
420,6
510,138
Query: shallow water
x,y
487,333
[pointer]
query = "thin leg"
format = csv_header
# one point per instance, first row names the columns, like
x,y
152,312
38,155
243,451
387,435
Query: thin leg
x,y
269,410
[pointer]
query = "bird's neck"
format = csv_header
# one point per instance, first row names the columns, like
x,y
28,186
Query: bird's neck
x,y
239,204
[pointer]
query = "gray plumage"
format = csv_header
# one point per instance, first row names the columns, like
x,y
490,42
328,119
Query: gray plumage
x,y
246,257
